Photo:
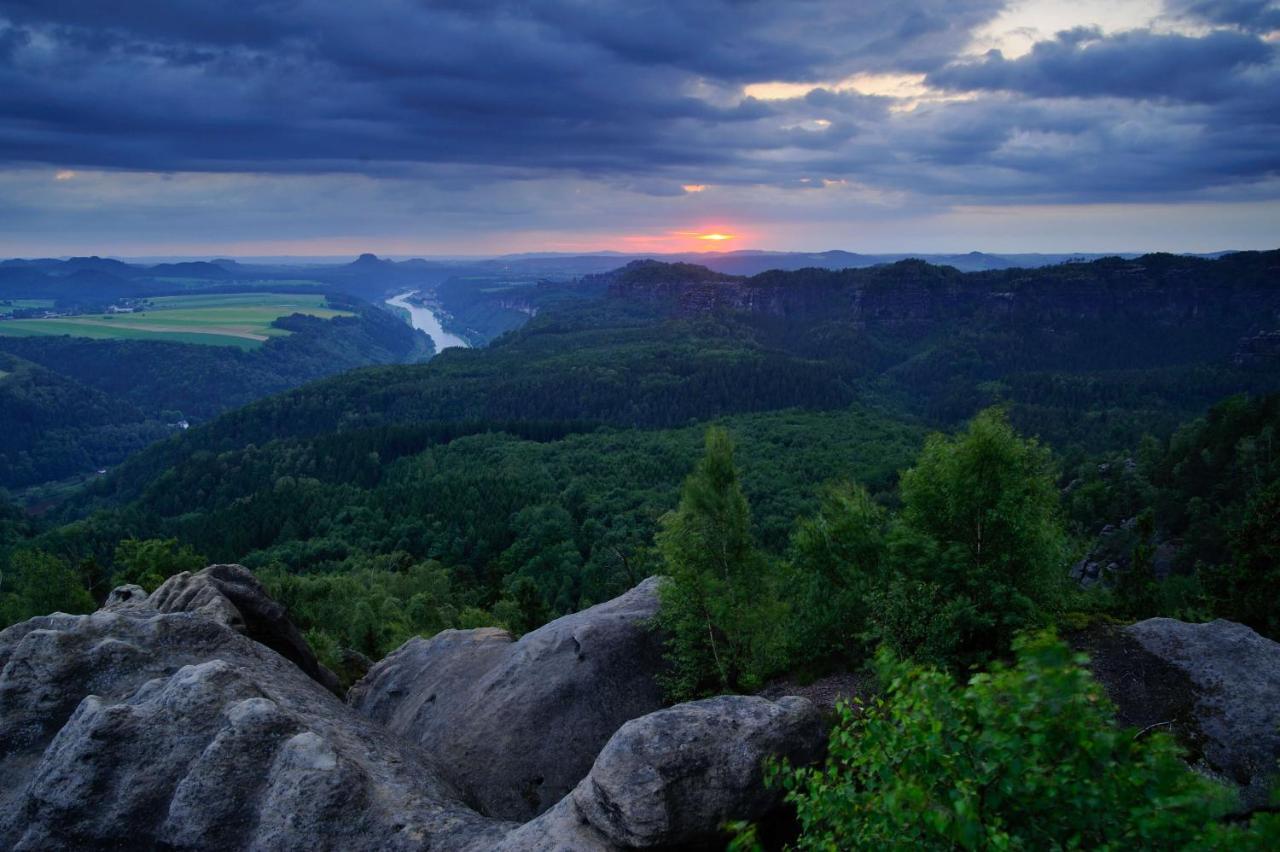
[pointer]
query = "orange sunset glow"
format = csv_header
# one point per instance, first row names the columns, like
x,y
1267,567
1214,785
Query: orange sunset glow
x,y
699,239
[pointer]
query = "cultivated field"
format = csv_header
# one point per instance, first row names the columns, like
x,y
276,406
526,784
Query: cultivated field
x,y
238,319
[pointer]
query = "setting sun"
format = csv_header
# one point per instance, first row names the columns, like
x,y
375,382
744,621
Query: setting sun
x,y
715,237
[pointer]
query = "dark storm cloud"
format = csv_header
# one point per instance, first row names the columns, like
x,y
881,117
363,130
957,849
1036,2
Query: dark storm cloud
x,y
642,93
320,85
1084,63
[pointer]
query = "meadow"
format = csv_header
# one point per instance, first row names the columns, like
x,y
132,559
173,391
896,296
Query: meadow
x,y
221,319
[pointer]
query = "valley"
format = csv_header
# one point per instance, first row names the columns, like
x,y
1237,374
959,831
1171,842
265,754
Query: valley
x,y
425,319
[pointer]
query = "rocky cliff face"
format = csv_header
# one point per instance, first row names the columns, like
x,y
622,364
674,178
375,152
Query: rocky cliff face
x,y
157,722
1158,289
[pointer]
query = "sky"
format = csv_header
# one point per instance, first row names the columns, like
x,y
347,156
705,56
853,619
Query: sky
x,y
429,127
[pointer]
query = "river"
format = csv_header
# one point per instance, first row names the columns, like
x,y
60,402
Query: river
x,y
426,320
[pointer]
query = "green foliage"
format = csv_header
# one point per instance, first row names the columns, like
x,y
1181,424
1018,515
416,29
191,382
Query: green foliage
x,y
1250,586
472,617
717,604
1025,757
979,549
149,562
37,583
373,609
522,609
1208,500
574,512
836,564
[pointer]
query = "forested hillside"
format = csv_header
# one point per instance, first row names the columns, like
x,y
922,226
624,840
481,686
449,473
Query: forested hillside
x,y
78,404
528,478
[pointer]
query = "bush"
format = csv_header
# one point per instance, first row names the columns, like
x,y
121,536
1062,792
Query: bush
x,y
1023,757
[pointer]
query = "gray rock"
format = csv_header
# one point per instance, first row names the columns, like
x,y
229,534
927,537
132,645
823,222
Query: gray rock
x,y
676,776
672,779
514,726
124,598
1236,677
138,729
564,828
231,595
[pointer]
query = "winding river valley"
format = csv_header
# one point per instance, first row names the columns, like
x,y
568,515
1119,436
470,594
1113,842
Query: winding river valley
x,y
426,320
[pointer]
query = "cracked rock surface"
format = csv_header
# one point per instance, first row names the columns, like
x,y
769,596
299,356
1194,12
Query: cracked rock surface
x,y
515,725
158,723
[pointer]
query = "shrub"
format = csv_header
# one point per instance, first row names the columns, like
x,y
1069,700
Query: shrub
x,y
1022,757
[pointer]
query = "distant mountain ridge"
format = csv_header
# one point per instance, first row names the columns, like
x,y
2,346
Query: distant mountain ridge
x,y
741,262
1158,288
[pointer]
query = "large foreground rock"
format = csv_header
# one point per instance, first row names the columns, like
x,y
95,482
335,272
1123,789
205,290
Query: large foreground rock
x,y
1215,686
514,726
157,723
1235,674
139,729
663,778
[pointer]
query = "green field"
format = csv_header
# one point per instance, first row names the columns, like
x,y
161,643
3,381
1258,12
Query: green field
x,y
237,319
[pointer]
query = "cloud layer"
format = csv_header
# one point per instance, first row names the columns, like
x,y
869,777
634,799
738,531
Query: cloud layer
x,y
643,97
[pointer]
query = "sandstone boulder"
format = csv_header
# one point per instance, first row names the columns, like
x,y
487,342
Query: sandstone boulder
x,y
231,595
1235,678
138,729
515,725
670,777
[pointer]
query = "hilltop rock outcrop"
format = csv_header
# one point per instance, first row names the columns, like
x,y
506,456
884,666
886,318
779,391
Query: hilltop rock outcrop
x,y
157,722
515,725
140,729
231,595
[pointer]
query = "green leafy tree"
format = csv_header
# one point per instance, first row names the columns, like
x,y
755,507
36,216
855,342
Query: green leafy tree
x,y
522,609
37,583
718,607
1137,590
149,562
1020,758
979,548
836,563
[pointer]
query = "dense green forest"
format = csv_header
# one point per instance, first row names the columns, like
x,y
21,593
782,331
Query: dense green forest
x,y
528,478
72,405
